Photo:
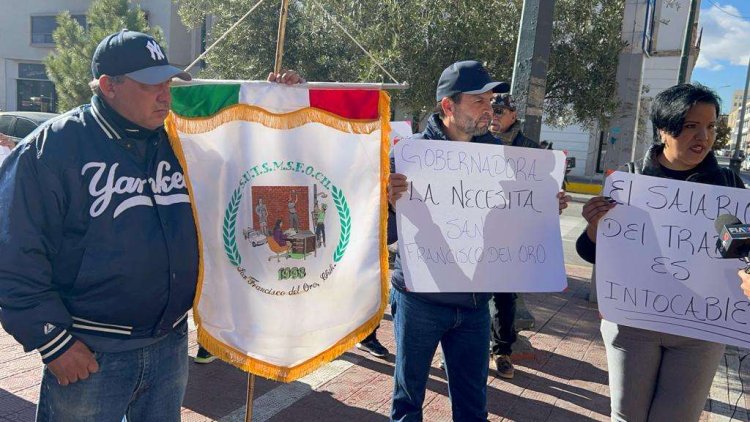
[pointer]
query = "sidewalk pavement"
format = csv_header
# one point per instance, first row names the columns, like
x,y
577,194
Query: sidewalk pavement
x,y
564,378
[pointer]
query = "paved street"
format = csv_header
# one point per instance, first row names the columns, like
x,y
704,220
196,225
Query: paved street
x,y
563,377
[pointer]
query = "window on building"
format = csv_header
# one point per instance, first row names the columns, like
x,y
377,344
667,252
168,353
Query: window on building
x,y
42,28
34,91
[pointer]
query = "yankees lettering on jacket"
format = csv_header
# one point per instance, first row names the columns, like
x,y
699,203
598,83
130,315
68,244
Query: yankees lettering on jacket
x,y
105,184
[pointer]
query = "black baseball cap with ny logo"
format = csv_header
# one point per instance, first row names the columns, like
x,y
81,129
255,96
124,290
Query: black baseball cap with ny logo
x,y
135,55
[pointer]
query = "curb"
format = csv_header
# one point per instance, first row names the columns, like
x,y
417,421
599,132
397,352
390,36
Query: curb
x,y
584,188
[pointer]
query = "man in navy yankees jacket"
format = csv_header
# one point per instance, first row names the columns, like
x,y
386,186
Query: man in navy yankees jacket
x,y
98,246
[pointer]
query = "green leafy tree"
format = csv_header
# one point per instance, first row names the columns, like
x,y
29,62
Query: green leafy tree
x,y
314,45
69,66
586,43
415,40
723,134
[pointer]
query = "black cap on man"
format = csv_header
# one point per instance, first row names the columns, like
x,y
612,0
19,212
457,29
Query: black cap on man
x,y
467,77
135,55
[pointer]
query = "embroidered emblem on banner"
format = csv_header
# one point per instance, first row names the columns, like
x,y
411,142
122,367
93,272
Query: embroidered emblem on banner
x,y
289,226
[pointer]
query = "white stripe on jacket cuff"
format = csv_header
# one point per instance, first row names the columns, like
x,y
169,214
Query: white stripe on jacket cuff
x,y
56,347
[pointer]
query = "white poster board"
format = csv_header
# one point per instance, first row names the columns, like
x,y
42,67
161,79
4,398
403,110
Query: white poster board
x,y
400,130
657,266
479,218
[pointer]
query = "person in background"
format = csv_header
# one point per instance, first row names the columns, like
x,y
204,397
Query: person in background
x,y
372,345
505,127
656,376
203,356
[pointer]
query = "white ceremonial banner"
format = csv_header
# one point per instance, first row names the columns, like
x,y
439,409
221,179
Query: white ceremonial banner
x,y
479,218
291,212
657,266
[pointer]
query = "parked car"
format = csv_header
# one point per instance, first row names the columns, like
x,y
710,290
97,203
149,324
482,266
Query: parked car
x,y
18,124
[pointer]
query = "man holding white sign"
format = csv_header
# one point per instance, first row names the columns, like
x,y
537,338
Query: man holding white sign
x,y
666,298
455,311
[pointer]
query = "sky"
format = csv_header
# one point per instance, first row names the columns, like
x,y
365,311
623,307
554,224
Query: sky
x,y
725,47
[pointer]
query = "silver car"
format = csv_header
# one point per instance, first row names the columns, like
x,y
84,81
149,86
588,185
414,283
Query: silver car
x,y
18,124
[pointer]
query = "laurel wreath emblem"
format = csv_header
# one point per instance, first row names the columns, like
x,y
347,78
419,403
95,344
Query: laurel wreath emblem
x,y
229,232
228,229
346,222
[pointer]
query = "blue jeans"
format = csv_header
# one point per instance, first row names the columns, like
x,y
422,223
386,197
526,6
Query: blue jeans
x,y
145,384
464,333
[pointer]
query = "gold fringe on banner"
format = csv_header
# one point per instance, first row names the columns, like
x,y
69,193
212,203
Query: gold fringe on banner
x,y
292,120
174,140
285,121
384,108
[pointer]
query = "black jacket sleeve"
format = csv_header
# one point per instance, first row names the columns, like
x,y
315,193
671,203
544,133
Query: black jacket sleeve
x,y
31,218
392,232
586,248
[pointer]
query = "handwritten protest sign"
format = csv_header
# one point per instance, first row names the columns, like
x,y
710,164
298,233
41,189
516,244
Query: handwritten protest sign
x,y
479,218
656,261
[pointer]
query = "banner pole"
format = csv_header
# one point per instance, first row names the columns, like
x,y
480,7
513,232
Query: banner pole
x,y
306,85
250,393
281,35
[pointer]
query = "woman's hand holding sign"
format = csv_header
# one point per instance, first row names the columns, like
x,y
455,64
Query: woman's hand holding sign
x,y
594,210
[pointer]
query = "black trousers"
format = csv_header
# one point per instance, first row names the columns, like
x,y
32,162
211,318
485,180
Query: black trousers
x,y
503,314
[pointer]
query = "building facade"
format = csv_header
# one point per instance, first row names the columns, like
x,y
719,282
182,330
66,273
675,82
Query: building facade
x,y
733,120
655,29
26,39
